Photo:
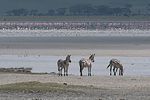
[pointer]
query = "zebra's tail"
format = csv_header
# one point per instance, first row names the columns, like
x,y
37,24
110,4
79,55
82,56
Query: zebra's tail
x,y
59,65
108,66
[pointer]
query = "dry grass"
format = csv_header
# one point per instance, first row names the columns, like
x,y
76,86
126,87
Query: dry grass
x,y
36,87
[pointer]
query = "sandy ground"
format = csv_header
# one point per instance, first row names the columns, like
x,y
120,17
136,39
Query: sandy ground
x,y
106,87
96,81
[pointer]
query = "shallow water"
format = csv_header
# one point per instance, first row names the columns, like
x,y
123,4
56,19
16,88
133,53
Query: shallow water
x,y
132,65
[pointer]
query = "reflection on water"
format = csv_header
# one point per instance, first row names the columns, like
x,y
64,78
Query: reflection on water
x,y
132,65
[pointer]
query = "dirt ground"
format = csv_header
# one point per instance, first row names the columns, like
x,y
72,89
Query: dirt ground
x,y
82,88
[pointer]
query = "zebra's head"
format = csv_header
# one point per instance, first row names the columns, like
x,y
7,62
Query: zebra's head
x,y
92,57
68,58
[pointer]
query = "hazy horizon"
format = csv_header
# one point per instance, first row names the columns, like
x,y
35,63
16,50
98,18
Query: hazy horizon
x,y
45,5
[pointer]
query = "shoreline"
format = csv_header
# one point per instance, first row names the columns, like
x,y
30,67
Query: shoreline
x,y
97,81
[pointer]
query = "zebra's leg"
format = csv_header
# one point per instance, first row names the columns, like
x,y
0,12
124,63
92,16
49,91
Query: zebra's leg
x,y
58,73
114,71
119,72
64,71
110,69
81,69
58,70
67,71
89,71
61,72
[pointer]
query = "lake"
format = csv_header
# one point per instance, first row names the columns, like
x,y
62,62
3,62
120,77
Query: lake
x,y
132,65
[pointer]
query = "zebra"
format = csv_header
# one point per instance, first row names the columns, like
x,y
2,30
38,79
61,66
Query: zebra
x,y
115,64
86,63
63,64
